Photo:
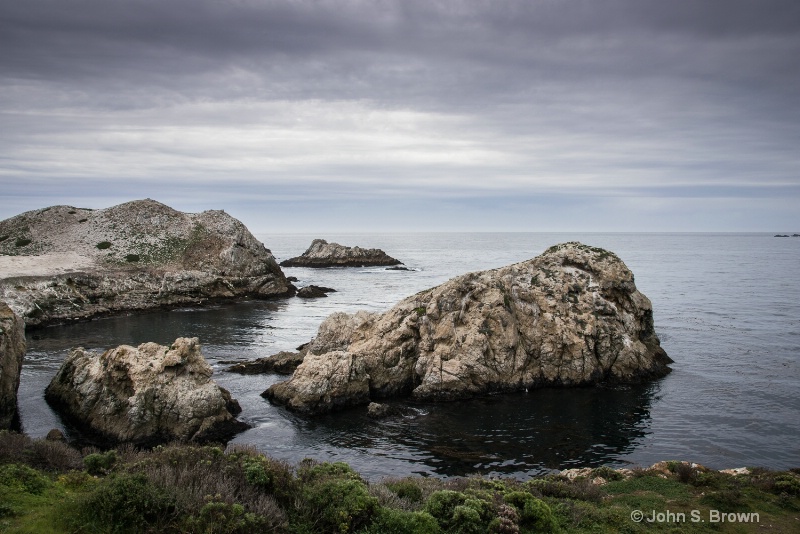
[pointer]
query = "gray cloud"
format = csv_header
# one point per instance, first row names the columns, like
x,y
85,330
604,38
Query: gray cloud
x,y
395,100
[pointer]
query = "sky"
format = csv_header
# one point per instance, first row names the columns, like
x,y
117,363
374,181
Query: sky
x,y
408,115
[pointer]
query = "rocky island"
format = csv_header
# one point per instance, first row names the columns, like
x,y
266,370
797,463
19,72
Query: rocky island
x,y
324,254
145,395
62,263
569,317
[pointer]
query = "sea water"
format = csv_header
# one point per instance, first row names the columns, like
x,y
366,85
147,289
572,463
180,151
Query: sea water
x,y
726,307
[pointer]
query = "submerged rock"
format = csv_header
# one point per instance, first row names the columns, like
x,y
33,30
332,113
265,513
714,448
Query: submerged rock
x,y
314,292
570,317
80,263
146,395
12,351
324,254
283,363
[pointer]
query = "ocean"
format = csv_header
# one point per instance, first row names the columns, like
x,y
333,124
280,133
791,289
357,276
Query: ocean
x,y
726,307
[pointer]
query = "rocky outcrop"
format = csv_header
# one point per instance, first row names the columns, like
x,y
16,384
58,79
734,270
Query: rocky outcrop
x,y
282,363
324,254
136,256
570,317
12,351
146,395
314,292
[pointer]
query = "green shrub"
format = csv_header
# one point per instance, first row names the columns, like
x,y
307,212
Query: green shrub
x,y
100,463
406,489
533,513
102,245
132,258
223,518
391,521
122,504
22,241
334,498
23,478
787,483
4,237
457,512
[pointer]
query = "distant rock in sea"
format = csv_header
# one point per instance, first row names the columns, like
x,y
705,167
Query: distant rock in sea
x,y
12,351
282,363
314,292
145,395
570,317
62,263
324,254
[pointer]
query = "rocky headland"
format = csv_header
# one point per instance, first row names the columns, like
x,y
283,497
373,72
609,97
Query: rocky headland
x,y
12,351
569,317
145,395
324,254
62,264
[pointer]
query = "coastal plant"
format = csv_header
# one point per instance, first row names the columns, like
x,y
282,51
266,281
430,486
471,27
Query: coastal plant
x,y
393,521
100,463
22,242
533,513
459,512
217,517
128,504
23,478
132,258
103,245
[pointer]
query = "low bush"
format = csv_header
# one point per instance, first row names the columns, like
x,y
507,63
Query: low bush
x,y
103,245
23,478
132,258
100,463
22,242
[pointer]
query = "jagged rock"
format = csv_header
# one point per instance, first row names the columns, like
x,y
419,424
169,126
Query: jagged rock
x,y
12,351
146,395
139,255
314,292
377,410
324,254
570,317
397,268
283,363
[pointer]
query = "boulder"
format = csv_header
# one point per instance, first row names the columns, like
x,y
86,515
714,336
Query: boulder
x,y
324,254
146,395
12,351
283,363
570,317
78,263
314,292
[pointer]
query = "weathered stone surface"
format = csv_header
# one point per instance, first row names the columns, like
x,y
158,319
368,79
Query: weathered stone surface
x,y
314,292
146,395
570,317
283,363
136,256
324,254
12,351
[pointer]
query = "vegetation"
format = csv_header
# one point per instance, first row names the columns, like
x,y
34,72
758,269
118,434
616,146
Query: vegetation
x,y
22,242
103,245
51,487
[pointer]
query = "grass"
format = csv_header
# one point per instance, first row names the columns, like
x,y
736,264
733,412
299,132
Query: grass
x,y
50,487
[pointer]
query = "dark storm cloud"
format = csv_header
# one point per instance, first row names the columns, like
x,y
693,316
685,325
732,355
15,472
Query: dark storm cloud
x,y
403,98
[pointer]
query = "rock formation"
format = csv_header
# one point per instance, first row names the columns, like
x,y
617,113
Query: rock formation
x,y
570,317
282,363
324,254
146,395
314,292
75,263
12,351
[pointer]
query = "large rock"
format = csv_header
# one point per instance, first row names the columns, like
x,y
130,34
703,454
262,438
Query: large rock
x,y
324,254
63,263
12,351
570,317
146,395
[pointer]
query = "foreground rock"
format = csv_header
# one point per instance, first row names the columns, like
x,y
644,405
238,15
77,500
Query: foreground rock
x,y
63,263
570,317
12,351
324,254
146,395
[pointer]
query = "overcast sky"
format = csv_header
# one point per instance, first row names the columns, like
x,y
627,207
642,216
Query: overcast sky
x,y
396,115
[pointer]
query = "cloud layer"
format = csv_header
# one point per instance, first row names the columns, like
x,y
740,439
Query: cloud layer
x,y
534,114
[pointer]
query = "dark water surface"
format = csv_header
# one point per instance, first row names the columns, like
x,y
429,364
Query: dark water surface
x,y
726,306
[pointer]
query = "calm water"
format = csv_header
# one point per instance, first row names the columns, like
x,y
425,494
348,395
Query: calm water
x,y
726,306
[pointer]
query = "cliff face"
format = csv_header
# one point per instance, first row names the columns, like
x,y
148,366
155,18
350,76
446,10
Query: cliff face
x,y
570,317
73,263
147,394
324,254
12,351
